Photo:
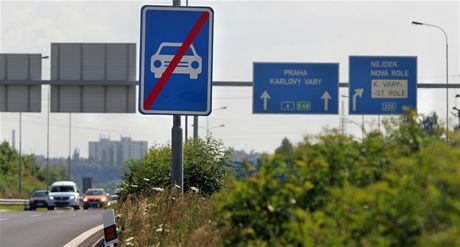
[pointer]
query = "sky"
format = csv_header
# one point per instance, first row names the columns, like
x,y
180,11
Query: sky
x,y
245,32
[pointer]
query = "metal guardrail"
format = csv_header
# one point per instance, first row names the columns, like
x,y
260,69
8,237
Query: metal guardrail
x,y
14,201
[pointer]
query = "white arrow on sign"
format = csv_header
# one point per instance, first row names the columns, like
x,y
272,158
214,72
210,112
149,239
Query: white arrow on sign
x,y
326,97
358,93
265,96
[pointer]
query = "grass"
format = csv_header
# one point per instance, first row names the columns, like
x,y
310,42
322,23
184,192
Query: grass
x,y
13,207
166,219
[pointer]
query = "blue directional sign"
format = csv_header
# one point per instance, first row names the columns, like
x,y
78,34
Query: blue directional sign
x,y
176,60
382,85
296,88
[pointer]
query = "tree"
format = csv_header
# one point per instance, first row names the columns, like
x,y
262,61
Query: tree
x,y
33,176
286,147
430,124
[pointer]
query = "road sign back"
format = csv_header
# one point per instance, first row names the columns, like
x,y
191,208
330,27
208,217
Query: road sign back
x,y
176,60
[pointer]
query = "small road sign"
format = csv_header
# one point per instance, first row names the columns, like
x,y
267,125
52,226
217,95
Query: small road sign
x,y
382,85
176,60
296,88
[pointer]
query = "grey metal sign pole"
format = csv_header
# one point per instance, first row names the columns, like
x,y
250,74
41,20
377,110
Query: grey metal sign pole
x,y
177,161
20,152
176,146
70,145
195,127
186,128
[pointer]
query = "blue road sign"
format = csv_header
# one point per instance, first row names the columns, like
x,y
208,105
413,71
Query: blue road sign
x,y
176,60
295,88
382,85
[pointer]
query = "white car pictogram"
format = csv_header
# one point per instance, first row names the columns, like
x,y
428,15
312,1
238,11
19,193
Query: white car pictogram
x,y
189,64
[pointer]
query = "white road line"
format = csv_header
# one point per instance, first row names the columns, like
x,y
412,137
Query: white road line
x,y
82,237
35,215
3,219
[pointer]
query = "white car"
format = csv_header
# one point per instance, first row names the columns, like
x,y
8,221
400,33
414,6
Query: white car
x,y
64,194
189,64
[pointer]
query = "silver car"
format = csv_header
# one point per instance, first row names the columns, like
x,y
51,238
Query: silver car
x,y
64,194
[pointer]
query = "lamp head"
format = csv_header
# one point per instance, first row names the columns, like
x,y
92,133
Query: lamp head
x,y
417,23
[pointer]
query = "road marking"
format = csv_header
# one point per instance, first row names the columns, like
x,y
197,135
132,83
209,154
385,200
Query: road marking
x,y
82,237
3,219
98,241
35,215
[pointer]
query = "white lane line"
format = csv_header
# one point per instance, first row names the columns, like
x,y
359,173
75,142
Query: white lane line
x,y
82,237
35,215
3,219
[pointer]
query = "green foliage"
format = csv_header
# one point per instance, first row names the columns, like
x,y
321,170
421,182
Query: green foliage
x,y
401,189
285,148
430,124
33,177
203,168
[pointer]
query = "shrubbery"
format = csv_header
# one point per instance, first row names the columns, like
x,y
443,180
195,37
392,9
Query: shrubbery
x,y
397,189
204,169
402,189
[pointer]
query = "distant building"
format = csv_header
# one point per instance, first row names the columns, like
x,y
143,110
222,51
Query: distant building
x,y
116,152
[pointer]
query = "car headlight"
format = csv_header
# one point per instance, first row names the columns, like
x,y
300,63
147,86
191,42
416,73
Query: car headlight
x,y
51,198
85,199
103,199
72,197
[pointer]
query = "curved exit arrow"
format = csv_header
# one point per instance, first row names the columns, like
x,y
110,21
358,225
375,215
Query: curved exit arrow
x,y
358,93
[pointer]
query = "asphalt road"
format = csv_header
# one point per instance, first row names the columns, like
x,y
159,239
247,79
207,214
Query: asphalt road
x,y
45,228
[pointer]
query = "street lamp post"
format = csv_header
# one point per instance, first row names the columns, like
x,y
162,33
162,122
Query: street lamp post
x,y
47,133
447,68
458,115
208,130
207,118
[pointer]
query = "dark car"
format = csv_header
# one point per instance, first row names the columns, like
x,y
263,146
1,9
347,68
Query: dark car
x,y
38,199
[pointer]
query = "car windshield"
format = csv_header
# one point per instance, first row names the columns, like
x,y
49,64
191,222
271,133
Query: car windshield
x,y
40,193
62,188
94,192
172,50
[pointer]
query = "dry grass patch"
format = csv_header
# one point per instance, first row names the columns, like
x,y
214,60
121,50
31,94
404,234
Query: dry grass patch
x,y
166,219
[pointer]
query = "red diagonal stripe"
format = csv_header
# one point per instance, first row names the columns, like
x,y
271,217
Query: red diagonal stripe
x,y
175,61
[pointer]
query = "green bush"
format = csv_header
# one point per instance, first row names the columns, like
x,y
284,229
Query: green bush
x,y
33,176
401,189
203,168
